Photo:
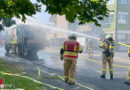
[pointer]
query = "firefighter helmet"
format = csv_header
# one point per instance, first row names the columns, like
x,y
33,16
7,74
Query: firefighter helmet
x,y
73,36
108,36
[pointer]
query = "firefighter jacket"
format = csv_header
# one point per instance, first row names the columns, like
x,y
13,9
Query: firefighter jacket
x,y
107,48
70,49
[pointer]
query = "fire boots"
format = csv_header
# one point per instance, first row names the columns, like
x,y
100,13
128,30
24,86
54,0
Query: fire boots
x,y
127,83
66,80
111,76
70,83
103,76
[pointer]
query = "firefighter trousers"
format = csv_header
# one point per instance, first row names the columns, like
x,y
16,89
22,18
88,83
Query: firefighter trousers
x,y
128,76
69,69
108,60
90,52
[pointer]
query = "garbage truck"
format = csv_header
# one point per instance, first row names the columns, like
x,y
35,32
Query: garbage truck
x,y
25,40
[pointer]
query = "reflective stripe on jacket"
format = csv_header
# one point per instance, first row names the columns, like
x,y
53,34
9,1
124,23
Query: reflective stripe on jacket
x,y
129,52
71,49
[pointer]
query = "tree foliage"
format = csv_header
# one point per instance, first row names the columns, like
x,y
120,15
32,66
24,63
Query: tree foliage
x,y
6,22
17,8
91,11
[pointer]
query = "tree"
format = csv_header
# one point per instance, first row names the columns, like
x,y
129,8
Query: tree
x,y
91,11
6,22
16,8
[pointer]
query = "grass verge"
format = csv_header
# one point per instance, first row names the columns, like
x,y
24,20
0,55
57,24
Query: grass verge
x,y
12,75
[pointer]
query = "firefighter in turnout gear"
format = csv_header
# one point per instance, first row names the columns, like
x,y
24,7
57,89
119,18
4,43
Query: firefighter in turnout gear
x,y
107,55
69,52
90,47
128,75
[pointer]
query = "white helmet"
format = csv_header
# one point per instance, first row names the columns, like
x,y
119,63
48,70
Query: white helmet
x,y
108,36
72,36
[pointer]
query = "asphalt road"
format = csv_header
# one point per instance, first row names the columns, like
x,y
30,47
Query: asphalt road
x,y
88,71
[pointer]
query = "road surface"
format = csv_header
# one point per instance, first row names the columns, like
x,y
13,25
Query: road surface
x,y
88,70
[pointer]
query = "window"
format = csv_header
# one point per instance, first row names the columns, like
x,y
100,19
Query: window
x,y
124,1
109,19
110,2
121,37
122,18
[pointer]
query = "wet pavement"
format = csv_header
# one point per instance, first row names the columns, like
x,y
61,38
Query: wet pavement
x,y
88,72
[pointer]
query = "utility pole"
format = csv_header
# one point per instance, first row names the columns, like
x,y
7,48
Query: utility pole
x,y
116,23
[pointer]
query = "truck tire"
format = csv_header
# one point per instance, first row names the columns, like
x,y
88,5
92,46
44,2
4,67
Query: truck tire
x,y
7,48
20,52
32,55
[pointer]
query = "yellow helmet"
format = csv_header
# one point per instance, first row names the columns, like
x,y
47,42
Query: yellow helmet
x,y
108,36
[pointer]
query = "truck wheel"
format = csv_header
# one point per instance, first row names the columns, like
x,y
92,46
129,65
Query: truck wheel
x,y
32,55
20,52
7,48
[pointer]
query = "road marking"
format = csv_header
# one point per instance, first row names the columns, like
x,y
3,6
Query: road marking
x,y
51,86
81,57
60,77
91,60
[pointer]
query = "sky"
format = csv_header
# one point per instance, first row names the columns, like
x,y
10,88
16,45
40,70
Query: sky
x,y
42,17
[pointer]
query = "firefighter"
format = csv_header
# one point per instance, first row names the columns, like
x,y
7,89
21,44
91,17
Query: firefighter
x,y
107,55
90,46
69,52
128,76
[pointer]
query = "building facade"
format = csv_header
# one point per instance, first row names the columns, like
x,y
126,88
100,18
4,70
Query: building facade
x,y
60,21
118,22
